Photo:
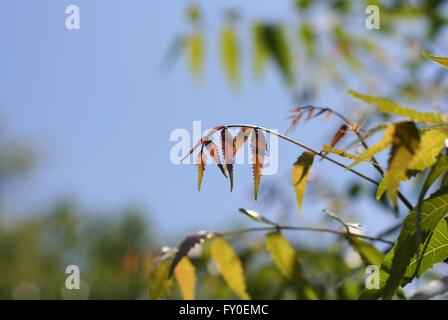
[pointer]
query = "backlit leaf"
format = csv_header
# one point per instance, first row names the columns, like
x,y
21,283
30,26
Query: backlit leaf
x,y
385,105
227,151
283,254
329,149
258,148
195,53
230,54
432,142
201,168
339,135
443,61
240,139
399,258
212,150
300,173
405,141
230,267
159,282
369,254
378,147
185,274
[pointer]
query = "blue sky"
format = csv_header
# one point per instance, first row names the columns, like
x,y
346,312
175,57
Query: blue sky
x,y
99,109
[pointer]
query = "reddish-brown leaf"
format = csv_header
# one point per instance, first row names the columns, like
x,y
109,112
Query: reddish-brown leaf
x,y
339,135
227,151
328,114
258,147
241,137
212,150
201,141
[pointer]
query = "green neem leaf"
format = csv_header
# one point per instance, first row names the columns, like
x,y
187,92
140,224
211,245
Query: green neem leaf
x,y
283,254
230,54
230,266
443,61
399,262
405,141
300,174
388,106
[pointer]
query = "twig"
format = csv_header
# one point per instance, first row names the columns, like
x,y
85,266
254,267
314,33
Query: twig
x,y
311,229
303,146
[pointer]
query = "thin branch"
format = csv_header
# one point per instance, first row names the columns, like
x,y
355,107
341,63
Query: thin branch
x,y
375,162
320,154
311,229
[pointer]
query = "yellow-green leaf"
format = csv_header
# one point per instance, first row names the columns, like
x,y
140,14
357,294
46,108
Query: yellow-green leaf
x,y
405,141
230,266
388,106
432,142
369,254
407,259
282,253
201,168
159,283
443,61
339,152
230,55
300,173
195,53
185,274
377,147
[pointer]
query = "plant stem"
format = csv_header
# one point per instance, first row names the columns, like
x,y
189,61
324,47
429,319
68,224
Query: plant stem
x,y
311,229
303,146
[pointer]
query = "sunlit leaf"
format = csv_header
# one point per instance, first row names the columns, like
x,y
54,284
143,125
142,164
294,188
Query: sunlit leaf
x,y
339,152
228,153
201,167
437,170
230,266
282,253
405,142
399,258
195,53
339,135
443,61
300,173
230,54
308,39
386,105
377,147
212,150
369,254
432,142
240,139
185,274
159,282
258,148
